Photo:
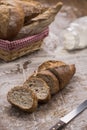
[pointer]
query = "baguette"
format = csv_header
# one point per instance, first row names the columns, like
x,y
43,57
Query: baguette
x,y
40,22
51,77
40,88
23,98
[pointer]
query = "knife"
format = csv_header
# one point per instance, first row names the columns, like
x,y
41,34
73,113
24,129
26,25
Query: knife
x,y
67,118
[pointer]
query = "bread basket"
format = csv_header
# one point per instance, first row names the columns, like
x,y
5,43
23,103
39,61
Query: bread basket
x,y
11,50
30,30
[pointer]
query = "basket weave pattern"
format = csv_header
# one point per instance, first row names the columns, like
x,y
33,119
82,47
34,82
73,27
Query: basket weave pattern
x,y
14,49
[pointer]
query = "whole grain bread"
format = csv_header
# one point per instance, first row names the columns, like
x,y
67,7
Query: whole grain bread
x,y
18,17
40,88
40,22
31,9
50,64
64,74
50,79
23,98
11,19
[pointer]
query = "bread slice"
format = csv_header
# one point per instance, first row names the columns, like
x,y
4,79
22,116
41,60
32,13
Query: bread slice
x,y
50,79
50,64
23,98
40,88
64,74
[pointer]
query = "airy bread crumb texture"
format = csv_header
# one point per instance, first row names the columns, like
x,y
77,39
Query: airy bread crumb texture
x,y
23,98
40,88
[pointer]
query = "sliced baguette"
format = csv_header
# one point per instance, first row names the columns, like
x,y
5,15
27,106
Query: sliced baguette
x,y
50,64
64,74
50,79
40,88
23,98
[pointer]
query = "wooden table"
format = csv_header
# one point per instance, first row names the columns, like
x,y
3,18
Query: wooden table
x,y
15,73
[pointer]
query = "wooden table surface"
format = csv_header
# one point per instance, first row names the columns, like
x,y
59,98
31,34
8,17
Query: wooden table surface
x,y
15,73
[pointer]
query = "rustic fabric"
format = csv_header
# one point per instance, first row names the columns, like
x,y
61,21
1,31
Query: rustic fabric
x,y
18,44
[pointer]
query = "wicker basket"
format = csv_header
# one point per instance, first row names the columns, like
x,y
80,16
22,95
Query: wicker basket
x,y
12,50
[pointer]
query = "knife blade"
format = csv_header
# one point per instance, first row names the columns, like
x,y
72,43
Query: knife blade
x,y
67,118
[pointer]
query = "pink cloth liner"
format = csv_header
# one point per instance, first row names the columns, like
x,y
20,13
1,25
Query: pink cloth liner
x,y
18,44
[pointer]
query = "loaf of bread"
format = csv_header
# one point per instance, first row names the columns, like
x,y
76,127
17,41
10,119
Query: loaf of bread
x,y
50,77
11,19
23,98
40,22
22,18
40,88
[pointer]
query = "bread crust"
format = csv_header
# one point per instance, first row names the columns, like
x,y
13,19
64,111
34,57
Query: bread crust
x,y
31,9
50,64
24,89
63,74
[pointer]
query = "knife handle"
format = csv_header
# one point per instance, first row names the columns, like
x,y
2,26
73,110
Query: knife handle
x,y
58,126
